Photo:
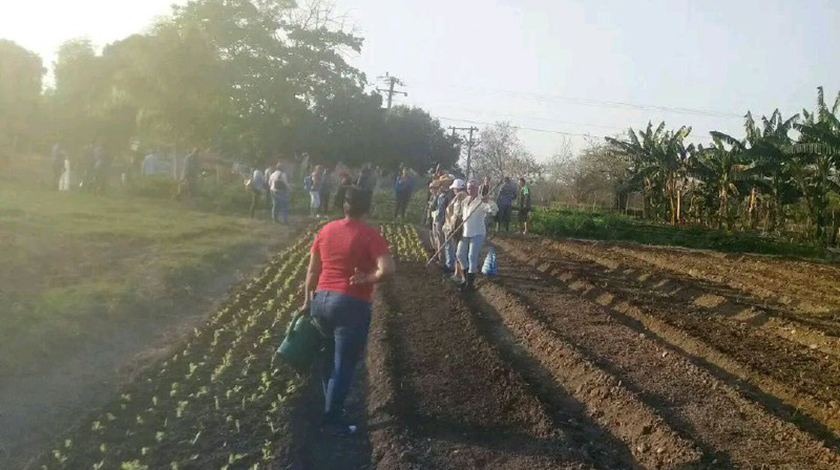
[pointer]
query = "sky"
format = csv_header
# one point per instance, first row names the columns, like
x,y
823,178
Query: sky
x,y
558,69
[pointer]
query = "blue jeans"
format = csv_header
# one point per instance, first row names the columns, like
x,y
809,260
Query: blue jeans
x,y
344,320
280,201
468,252
449,253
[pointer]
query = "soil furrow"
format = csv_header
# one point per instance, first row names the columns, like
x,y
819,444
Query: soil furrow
x,y
442,396
731,431
808,331
752,364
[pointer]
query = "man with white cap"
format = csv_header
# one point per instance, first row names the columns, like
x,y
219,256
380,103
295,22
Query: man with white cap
x,y
475,209
453,219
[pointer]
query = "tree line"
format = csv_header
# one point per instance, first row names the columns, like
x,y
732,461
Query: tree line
x,y
781,168
250,79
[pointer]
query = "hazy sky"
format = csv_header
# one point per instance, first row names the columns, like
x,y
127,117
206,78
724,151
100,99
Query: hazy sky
x,y
553,65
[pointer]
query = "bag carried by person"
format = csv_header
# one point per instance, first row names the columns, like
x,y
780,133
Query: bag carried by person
x,y
302,344
308,183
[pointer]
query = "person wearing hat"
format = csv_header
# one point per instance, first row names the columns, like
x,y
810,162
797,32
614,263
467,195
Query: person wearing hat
x,y
476,208
452,224
444,194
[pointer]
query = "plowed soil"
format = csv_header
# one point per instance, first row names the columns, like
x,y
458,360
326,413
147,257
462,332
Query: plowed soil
x,y
574,359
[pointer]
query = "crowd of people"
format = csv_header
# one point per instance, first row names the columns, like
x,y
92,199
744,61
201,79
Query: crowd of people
x,y
460,213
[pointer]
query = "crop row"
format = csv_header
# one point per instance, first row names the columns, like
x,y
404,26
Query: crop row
x,y
405,242
219,402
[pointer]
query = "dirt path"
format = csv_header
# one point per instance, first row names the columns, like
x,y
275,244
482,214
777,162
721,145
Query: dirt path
x,y
37,405
729,430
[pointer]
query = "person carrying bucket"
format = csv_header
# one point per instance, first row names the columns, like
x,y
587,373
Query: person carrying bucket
x,y
346,259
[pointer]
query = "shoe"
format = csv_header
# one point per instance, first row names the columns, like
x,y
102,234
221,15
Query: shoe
x,y
469,282
338,426
457,279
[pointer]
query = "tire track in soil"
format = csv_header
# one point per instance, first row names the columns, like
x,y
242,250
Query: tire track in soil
x,y
750,363
738,434
442,396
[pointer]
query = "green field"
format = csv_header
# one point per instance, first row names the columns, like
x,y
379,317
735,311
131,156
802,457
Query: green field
x,y
602,225
75,265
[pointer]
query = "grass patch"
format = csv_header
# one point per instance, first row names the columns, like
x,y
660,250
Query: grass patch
x,y
599,225
74,264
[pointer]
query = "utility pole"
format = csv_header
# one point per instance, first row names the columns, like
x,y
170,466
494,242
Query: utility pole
x,y
470,144
391,81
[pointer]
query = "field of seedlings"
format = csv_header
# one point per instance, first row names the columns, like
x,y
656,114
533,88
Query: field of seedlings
x,y
578,355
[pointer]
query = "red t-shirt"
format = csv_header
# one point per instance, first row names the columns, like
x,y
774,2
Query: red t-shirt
x,y
345,245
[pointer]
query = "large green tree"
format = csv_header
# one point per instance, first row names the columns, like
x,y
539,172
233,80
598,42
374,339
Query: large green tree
x,y
21,72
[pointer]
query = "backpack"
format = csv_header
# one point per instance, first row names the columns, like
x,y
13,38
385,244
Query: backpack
x,y
308,183
279,185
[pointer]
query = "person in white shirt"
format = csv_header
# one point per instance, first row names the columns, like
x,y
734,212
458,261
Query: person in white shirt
x,y
475,209
258,190
278,183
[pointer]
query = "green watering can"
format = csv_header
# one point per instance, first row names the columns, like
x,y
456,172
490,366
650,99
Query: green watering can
x,y
302,343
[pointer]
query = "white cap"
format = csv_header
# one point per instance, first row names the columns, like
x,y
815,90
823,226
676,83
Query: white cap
x,y
458,184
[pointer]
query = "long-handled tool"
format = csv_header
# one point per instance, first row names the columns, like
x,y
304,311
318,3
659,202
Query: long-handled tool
x,y
453,232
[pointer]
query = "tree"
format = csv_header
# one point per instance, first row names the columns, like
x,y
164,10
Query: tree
x,y
21,72
814,166
596,172
720,169
500,153
657,165
413,138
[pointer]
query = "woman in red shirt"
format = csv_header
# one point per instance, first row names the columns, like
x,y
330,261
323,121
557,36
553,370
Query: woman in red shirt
x,y
347,258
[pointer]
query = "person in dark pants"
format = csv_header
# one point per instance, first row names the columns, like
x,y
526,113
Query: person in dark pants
x,y
347,258
403,189
344,184
326,190
507,194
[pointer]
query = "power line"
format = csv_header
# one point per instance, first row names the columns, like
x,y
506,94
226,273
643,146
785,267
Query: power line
x,y
602,103
533,129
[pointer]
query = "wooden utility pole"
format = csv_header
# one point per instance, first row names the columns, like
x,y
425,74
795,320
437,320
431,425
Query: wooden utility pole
x,y
470,144
391,81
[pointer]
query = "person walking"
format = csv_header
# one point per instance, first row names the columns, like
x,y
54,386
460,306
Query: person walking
x,y
403,188
453,226
326,190
524,205
444,197
507,194
58,165
278,184
189,176
312,184
259,190
346,259
344,184
475,208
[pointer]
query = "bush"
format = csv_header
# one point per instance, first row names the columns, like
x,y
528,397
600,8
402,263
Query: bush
x,y
601,225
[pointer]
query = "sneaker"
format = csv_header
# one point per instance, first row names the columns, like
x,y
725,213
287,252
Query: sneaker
x,y
457,279
339,426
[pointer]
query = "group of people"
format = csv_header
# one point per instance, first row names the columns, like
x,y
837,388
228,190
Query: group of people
x,y
348,257
460,214
93,166
273,185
